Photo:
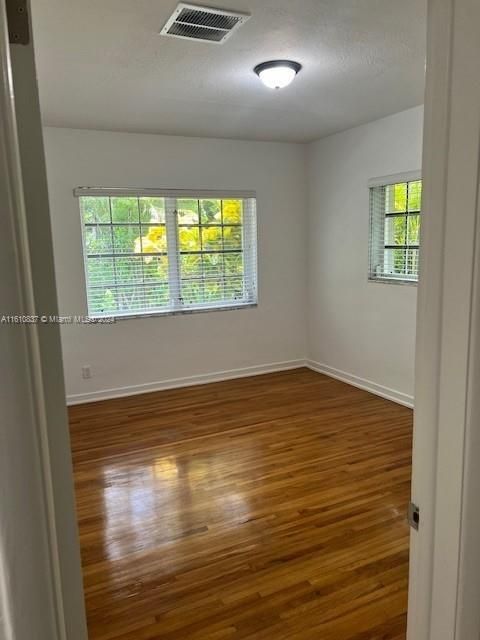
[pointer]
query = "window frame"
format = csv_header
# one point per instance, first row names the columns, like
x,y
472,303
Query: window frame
x,y
178,307
386,181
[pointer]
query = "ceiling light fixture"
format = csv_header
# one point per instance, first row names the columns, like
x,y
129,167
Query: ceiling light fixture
x,y
277,74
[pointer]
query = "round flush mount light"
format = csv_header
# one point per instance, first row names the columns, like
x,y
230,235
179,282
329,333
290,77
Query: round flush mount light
x,y
277,74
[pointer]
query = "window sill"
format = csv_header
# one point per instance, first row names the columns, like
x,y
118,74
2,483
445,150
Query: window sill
x,y
178,312
400,281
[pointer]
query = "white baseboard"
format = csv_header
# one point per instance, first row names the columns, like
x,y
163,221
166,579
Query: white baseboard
x,y
174,383
206,378
362,383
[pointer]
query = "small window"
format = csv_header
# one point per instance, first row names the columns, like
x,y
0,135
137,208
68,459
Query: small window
x,y
150,253
395,218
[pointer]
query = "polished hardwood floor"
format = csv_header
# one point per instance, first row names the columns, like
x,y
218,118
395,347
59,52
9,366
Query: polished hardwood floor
x,y
267,508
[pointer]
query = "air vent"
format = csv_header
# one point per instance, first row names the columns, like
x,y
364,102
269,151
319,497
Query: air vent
x,y
193,22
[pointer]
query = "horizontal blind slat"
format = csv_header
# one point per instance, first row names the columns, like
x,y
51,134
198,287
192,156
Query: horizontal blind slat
x,y
223,194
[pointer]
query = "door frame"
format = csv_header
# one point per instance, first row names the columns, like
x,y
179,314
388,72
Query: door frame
x,y
22,414
44,603
442,588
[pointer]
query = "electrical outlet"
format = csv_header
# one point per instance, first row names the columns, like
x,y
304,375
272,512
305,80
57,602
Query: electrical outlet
x,y
86,372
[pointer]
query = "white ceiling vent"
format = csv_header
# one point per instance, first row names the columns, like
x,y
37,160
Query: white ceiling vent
x,y
193,22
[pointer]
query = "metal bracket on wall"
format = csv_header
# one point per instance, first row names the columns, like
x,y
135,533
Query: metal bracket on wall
x,y
18,22
413,516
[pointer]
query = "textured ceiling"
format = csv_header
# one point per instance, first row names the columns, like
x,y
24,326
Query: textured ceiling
x,y
102,65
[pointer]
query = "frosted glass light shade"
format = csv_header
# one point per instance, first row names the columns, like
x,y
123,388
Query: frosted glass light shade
x,y
277,74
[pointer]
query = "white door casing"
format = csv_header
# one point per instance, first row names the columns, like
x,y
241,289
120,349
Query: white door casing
x,y
445,387
41,593
27,584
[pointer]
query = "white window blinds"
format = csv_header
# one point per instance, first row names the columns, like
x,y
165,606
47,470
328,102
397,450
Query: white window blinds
x,y
395,215
149,252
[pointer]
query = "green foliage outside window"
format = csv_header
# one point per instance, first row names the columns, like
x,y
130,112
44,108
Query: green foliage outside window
x,y
126,250
402,227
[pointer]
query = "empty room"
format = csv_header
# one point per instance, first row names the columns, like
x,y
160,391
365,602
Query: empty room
x,y
235,195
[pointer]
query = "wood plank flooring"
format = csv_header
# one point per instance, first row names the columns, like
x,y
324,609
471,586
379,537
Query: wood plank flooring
x,y
265,508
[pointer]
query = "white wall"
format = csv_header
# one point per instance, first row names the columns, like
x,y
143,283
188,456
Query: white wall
x,y
151,350
363,329
312,196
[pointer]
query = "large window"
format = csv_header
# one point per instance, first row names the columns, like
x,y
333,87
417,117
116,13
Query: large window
x,y
149,252
395,214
